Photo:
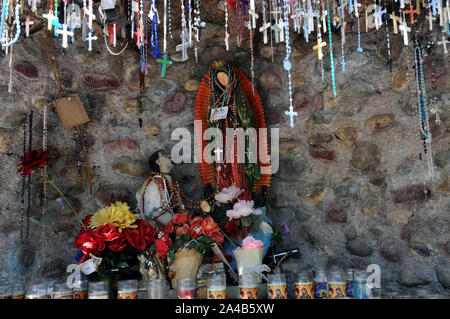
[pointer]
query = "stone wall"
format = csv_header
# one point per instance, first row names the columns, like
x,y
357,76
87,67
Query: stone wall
x,y
350,184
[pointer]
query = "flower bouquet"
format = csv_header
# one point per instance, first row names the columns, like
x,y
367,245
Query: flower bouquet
x,y
118,237
250,254
191,238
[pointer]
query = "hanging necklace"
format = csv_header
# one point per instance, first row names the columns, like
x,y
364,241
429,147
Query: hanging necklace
x,y
287,64
319,47
333,81
27,126
357,5
343,24
227,35
388,39
252,57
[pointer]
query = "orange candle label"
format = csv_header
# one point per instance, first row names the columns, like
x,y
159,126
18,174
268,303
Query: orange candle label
x,y
277,292
304,290
336,290
218,294
127,295
248,293
79,294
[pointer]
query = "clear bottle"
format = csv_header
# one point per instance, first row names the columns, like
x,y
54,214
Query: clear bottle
x,y
248,286
127,289
336,285
320,284
303,286
98,290
276,285
217,287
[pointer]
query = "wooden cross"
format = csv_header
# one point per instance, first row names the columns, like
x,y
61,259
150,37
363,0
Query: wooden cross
x,y
50,17
28,22
184,45
411,12
164,63
264,28
444,43
404,29
253,13
319,47
65,33
395,20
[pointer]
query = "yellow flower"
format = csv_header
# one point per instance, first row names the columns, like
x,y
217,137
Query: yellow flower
x,y
117,214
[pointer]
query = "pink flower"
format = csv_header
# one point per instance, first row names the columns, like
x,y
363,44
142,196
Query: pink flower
x,y
249,242
228,194
243,208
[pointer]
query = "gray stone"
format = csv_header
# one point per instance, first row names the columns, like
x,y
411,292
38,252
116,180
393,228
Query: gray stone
x,y
442,158
6,139
351,233
393,250
443,274
412,275
359,247
406,167
365,156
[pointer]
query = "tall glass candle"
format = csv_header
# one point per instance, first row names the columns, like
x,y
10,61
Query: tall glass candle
x,y
336,285
18,291
127,289
62,291
217,287
276,285
80,289
248,287
349,279
360,285
5,292
303,286
186,288
38,291
320,285
157,289
50,289
98,290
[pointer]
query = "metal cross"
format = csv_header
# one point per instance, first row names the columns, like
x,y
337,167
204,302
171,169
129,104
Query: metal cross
x,y
65,33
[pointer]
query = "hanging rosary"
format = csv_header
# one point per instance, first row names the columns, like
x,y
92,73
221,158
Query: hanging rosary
x,y
388,39
357,5
27,127
227,35
331,52
287,64
252,57
343,24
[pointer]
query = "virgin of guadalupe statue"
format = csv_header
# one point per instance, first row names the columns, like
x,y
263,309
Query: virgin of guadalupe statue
x,y
159,197
227,99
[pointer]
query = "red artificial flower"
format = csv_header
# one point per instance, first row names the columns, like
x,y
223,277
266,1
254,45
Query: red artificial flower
x,y
211,229
162,244
168,229
147,232
182,230
180,219
87,220
89,243
107,232
118,244
141,236
32,160
196,227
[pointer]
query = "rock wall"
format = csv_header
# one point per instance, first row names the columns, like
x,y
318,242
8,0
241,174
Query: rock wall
x,y
350,184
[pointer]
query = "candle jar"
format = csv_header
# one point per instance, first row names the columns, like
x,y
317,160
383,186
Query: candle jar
x,y
18,291
157,289
217,287
186,288
80,289
248,287
303,286
320,285
377,293
336,285
38,291
349,274
276,284
62,291
50,289
142,289
360,285
98,290
127,289
5,292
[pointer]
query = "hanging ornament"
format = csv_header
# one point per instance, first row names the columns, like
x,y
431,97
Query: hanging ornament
x,y
333,81
227,35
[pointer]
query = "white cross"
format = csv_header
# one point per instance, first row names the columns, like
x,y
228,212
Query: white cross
x,y
90,38
279,31
444,43
89,12
296,17
184,45
402,3
310,17
356,5
227,36
218,156
404,29
253,13
65,33
431,19
264,28
291,113
50,17
324,20
28,22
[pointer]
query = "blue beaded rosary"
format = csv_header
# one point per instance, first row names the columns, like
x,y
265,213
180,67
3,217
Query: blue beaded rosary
x,y
331,52
287,64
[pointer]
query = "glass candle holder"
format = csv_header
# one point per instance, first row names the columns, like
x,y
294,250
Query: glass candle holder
x,y
217,287
349,276
303,286
50,289
98,290
142,289
276,285
248,287
5,292
18,291
38,291
157,289
62,291
360,285
186,288
336,285
320,285
127,289
80,289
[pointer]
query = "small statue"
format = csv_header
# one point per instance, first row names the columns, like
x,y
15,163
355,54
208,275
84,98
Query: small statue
x,y
159,196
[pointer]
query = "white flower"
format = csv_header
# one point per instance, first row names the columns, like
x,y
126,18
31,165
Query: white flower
x,y
243,208
228,194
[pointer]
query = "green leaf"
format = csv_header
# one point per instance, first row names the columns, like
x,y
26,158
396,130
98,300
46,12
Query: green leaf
x,y
246,221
